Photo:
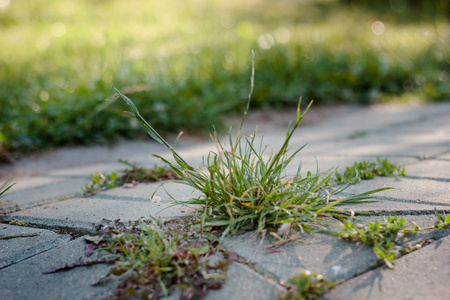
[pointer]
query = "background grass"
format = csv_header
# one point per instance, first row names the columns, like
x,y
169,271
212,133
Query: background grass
x,y
186,64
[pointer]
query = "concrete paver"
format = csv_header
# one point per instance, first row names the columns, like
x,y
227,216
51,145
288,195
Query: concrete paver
x,y
18,243
237,285
423,192
324,254
165,190
59,190
25,280
93,210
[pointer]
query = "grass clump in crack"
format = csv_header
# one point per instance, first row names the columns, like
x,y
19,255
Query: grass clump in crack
x,y
154,259
368,170
306,286
245,187
382,236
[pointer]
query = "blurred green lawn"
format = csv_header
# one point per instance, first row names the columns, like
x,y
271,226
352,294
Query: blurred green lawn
x,y
186,64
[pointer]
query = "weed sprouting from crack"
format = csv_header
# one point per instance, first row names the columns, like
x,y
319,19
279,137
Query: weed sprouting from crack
x,y
154,259
128,177
244,190
443,221
368,170
134,174
381,236
100,182
306,286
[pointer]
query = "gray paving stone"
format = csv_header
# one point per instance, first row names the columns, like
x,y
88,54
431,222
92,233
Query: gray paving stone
x,y
437,169
18,243
74,157
416,135
244,282
93,210
422,274
25,280
37,195
324,254
86,171
25,183
168,191
418,191
413,144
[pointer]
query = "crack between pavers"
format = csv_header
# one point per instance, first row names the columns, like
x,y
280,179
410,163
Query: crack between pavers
x,y
379,212
76,227
32,205
428,178
33,255
270,277
401,200
124,198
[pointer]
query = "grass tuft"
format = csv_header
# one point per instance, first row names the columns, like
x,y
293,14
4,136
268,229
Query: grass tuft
x,y
154,259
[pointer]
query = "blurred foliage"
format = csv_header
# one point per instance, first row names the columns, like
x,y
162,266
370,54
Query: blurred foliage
x,y
187,64
406,8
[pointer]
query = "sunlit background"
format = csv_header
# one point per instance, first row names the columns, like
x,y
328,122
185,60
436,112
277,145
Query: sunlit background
x,y
187,63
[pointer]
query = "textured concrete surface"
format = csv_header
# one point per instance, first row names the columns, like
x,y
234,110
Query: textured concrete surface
x,y
238,285
18,243
25,280
48,196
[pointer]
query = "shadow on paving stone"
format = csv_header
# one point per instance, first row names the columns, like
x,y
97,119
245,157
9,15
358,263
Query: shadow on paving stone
x,y
25,280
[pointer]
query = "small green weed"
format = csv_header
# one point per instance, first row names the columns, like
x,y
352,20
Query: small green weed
x,y
6,186
381,236
442,220
136,174
368,170
307,286
242,190
129,176
18,223
100,182
155,259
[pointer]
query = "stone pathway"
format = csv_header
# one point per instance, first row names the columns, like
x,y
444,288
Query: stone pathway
x,y
48,196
